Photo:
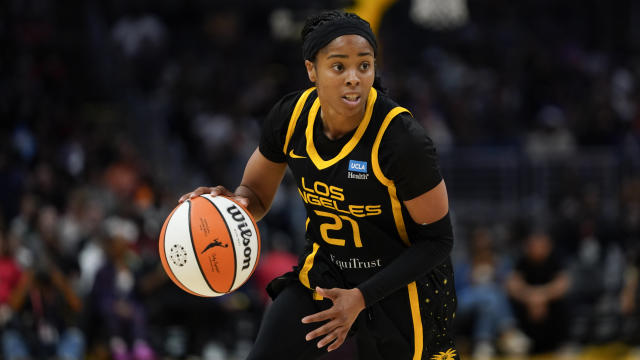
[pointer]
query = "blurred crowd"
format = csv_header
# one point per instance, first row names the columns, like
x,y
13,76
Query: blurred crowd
x,y
111,109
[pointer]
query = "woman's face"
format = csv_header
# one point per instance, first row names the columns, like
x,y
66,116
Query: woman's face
x,y
343,73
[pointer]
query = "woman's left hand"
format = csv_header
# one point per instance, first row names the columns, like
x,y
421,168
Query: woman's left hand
x,y
347,304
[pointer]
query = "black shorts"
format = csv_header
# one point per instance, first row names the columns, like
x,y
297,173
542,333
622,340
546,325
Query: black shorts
x,y
414,322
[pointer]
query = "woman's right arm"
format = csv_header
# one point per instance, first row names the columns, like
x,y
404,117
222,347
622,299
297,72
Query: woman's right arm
x,y
257,189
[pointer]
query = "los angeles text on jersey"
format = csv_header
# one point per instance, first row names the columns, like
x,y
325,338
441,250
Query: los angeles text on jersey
x,y
332,197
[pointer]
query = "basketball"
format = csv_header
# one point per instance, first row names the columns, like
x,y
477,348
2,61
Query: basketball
x,y
209,246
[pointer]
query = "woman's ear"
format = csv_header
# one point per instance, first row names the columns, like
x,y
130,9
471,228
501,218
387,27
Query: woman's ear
x,y
311,70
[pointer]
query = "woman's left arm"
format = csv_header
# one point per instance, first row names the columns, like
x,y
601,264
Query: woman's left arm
x,y
431,245
430,206
408,157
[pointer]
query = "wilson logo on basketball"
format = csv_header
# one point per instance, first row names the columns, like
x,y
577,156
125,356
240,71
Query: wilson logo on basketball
x,y
245,232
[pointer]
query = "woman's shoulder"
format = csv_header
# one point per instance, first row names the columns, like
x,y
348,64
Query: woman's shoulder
x,y
407,156
403,121
405,128
405,136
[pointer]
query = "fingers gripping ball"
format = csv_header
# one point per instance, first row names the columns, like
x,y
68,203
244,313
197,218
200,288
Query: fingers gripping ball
x,y
209,246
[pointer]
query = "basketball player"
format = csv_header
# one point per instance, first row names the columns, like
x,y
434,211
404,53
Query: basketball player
x,y
377,262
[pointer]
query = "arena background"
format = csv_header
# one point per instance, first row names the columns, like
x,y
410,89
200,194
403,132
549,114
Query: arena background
x,y
110,110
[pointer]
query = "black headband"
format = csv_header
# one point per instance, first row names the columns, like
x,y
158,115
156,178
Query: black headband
x,y
325,33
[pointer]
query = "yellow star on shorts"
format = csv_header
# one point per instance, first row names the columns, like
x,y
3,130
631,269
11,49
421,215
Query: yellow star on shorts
x,y
447,355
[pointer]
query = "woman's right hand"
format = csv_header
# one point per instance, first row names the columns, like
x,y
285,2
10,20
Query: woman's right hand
x,y
215,191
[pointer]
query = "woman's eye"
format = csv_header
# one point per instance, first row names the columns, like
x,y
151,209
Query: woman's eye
x,y
365,66
338,67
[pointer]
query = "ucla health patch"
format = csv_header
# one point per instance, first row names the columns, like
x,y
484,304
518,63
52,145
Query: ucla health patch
x,y
358,166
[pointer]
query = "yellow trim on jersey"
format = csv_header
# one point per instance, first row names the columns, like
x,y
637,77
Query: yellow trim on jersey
x,y
346,149
376,144
308,264
396,207
294,117
417,320
391,187
317,296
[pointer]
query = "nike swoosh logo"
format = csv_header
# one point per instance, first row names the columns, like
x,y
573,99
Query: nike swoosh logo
x,y
294,156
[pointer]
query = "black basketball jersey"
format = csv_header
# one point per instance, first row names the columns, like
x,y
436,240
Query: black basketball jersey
x,y
356,223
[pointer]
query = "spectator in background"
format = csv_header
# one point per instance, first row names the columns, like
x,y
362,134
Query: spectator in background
x,y
273,263
114,294
537,287
596,270
630,306
629,225
140,37
176,317
72,228
10,275
46,306
551,140
24,223
483,300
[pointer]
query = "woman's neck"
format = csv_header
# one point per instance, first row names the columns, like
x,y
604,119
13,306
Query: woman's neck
x,y
335,126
